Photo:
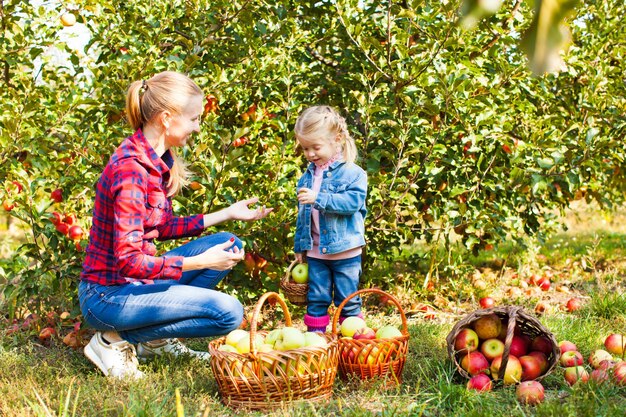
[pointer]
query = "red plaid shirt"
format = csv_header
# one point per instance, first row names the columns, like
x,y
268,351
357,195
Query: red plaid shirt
x,y
131,210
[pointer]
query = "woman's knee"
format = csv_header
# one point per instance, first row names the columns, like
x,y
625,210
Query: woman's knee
x,y
232,314
225,236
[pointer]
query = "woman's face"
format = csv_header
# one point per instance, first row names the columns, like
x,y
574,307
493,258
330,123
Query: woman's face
x,y
183,125
319,150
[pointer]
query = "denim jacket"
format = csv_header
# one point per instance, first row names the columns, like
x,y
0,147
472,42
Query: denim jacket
x,y
341,205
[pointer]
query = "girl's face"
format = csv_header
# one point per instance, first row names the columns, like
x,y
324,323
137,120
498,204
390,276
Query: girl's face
x,y
183,125
319,150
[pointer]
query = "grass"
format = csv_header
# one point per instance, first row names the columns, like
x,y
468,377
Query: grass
x,y
37,380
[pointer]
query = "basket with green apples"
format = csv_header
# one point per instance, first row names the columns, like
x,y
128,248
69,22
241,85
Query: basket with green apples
x,y
264,370
504,344
295,283
367,352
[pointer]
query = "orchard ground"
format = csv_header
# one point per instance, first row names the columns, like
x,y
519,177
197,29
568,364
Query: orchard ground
x,y
586,261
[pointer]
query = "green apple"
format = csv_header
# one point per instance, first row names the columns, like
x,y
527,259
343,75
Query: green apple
x,y
292,338
228,348
314,339
351,324
272,336
233,337
300,273
243,344
388,332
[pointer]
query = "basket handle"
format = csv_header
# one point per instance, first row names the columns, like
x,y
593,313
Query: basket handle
x,y
405,329
257,312
513,311
288,272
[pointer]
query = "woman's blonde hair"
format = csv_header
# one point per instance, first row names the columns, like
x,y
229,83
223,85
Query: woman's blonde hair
x,y
327,123
166,91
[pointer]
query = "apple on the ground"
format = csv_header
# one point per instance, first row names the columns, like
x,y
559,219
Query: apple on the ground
x,y
488,326
571,358
531,367
474,363
573,304
486,302
573,374
597,356
480,382
619,373
492,348
599,375
512,372
300,273
566,346
615,344
530,392
466,341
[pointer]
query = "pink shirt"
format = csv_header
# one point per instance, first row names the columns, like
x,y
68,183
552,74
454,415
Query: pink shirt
x,y
318,175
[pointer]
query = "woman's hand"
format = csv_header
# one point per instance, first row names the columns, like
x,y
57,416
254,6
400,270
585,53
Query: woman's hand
x,y
219,258
241,211
306,196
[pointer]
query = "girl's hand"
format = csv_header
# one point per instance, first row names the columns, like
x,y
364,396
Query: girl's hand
x,y
299,257
306,196
241,211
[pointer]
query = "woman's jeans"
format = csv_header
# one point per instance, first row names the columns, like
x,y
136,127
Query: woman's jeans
x,y
333,280
186,308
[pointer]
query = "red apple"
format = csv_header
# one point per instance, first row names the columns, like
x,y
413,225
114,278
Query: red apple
x,y
619,373
544,283
17,186
56,218
512,373
70,219
542,358
566,346
364,333
492,348
531,367
62,228
474,363
46,333
573,304
615,344
75,232
488,326
571,358
574,374
598,356
8,205
249,262
541,344
466,341
599,375
57,195
530,392
486,302
519,346
480,382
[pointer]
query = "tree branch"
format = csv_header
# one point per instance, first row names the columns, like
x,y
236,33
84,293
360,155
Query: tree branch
x,y
505,23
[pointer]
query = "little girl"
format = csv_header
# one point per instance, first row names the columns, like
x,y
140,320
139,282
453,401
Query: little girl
x,y
330,229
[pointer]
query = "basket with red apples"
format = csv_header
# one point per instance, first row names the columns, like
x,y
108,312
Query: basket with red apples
x,y
263,370
367,352
506,344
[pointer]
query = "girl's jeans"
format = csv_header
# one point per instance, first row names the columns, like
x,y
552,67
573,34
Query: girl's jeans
x,y
333,281
168,308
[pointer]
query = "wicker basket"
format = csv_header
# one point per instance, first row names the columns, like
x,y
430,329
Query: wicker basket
x,y
389,354
511,316
296,293
269,380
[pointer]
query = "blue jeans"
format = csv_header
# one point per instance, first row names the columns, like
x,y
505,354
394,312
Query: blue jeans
x,y
333,281
186,308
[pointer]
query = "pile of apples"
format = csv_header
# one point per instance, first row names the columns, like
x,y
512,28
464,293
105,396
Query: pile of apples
x,y
282,339
356,328
480,348
608,365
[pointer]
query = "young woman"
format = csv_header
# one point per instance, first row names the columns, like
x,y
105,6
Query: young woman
x,y
128,293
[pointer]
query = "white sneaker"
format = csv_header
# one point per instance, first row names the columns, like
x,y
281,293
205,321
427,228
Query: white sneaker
x,y
174,347
115,359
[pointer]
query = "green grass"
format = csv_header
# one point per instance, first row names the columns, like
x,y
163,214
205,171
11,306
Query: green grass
x,y
57,381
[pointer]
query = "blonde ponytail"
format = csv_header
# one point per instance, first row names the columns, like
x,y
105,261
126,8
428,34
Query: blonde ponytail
x,y
166,91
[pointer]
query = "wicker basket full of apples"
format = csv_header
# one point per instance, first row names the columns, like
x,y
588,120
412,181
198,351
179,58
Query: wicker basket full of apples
x,y
367,352
504,344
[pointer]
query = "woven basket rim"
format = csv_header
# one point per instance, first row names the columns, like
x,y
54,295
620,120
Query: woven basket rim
x,y
510,311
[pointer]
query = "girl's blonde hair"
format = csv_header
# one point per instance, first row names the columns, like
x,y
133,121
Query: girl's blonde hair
x,y
327,123
166,91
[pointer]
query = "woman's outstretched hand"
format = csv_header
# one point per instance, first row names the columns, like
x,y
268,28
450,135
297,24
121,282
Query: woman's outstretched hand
x,y
241,210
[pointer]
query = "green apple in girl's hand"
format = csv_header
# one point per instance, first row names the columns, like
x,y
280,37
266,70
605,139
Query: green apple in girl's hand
x,y
300,273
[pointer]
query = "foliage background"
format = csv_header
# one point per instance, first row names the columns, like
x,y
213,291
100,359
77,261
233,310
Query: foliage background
x,y
462,144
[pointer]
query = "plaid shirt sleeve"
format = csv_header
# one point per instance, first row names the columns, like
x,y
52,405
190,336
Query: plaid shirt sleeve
x,y
130,187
